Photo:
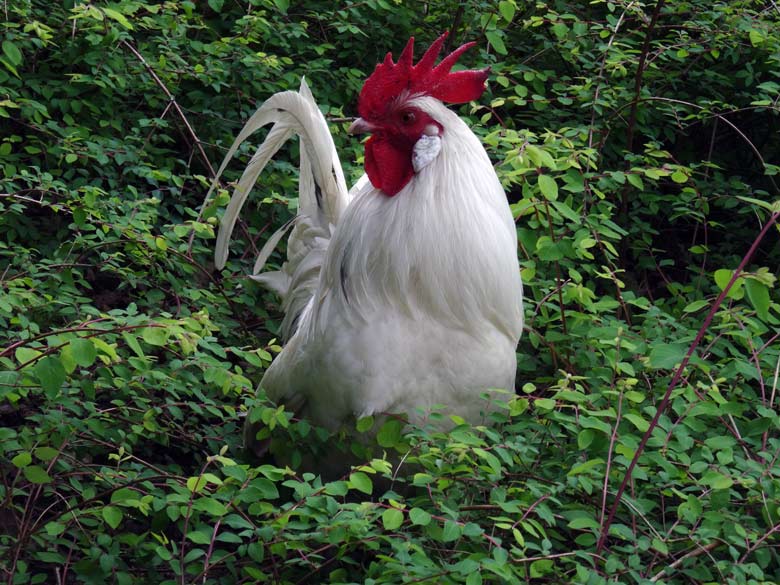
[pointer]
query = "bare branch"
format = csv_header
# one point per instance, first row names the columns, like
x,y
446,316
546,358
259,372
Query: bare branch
x,y
173,102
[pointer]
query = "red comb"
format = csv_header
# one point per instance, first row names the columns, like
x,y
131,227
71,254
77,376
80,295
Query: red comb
x,y
390,79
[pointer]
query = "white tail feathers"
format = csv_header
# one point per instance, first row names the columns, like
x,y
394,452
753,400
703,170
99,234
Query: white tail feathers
x,y
322,196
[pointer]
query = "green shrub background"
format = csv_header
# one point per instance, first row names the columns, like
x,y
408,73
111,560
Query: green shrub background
x,y
638,143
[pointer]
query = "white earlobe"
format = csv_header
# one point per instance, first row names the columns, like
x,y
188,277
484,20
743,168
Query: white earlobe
x,y
426,149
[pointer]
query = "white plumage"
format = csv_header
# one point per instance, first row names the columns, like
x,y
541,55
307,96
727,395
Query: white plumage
x,y
392,304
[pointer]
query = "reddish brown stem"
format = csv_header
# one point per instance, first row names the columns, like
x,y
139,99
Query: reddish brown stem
x,y
639,73
678,375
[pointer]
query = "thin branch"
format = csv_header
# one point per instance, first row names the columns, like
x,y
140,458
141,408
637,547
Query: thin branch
x,y
678,375
717,116
172,99
639,73
694,553
756,544
613,435
454,28
600,75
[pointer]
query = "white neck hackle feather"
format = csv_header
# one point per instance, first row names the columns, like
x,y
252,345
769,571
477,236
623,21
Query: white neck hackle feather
x,y
444,247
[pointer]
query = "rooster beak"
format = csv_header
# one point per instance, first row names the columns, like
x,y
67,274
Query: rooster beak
x,y
361,126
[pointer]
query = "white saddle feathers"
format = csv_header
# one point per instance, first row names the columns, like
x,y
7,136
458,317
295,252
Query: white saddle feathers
x,y
322,196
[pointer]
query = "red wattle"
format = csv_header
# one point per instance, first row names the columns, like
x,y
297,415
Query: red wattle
x,y
389,165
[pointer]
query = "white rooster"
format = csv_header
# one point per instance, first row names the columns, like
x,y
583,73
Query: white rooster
x,y
404,293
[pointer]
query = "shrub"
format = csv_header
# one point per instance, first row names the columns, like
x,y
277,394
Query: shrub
x,y
637,144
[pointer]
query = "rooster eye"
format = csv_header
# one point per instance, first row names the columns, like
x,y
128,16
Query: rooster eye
x,y
408,118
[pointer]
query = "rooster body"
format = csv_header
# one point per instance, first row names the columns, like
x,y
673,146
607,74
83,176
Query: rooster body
x,y
404,294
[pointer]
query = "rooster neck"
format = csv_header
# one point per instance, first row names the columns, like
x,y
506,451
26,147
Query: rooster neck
x,y
443,247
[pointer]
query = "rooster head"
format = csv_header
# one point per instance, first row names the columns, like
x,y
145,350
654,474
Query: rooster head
x,y
403,135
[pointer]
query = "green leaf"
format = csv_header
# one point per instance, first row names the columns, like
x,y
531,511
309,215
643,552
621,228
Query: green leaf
x,y
235,471
586,466
54,528
112,515
84,352
24,355
13,70
717,481
571,215
584,523
132,343
36,474
666,356
641,424
46,453
157,336
695,306
51,374
256,551
23,459
282,5
12,52
720,442
495,40
51,557
635,180
507,9
758,294
392,518
722,279
266,487
451,531
364,424
210,506
216,5
125,497
491,460
200,536
518,406
390,433
163,553
585,438
548,186
196,483
544,403
67,360
635,396
539,569
106,348
548,250
660,546
337,488
575,182
361,482
771,207
560,30
119,17
592,422
419,517
540,157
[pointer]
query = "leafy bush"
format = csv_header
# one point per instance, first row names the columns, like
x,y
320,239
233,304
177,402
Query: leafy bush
x,y
637,143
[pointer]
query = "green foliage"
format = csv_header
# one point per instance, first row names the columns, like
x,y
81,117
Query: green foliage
x,y
637,143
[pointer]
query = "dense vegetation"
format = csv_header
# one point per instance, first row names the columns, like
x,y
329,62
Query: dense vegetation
x,y
638,143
